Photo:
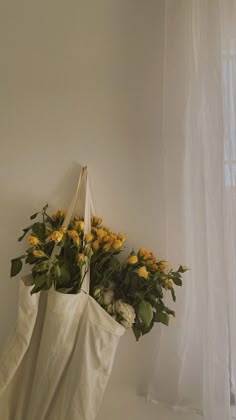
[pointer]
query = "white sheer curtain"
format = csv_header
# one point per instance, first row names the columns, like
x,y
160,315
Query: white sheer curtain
x,y
196,359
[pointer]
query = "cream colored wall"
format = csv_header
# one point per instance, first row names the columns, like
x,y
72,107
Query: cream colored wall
x,y
81,81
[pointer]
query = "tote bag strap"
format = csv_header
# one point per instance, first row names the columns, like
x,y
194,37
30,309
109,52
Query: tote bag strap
x,y
88,210
88,213
74,201
71,211
88,206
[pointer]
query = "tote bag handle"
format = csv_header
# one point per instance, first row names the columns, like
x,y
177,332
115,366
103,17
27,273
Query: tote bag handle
x,y
88,202
88,205
88,211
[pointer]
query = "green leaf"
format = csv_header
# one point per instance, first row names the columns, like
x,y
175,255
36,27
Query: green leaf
x,y
41,283
177,281
65,274
34,216
35,289
25,230
151,298
40,230
145,312
45,208
136,332
173,294
159,290
159,306
169,311
177,274
50,220
41,266
16,266
31,259
146,330
162,317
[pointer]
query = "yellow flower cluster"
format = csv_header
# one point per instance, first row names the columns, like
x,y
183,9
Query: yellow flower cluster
x,y
101,238
104,239
146,263
60,214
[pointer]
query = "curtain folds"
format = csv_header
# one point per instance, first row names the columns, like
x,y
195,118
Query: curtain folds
x,y
195,367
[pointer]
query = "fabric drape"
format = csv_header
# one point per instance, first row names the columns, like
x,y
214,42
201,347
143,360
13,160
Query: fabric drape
x,y
196,361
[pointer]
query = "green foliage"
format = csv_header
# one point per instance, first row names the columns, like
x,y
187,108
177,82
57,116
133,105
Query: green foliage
x,y
34,216
173,295
40,230
145,312
137,332
176,278
162,317
16,266
62,271
25,230
41,282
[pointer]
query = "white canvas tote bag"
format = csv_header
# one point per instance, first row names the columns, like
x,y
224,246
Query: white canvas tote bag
x,y
57,364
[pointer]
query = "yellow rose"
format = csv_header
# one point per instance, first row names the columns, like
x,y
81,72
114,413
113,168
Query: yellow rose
x,y
117,244
79,225
106,229
56,236
106,238
88,251
33,240
95,245
153,267
169,284
96,220
163,265
133,259
107,247
144,253
80,258
150,261
62,229
121,237
101,233
142,272
58,214
88,238
38,253
183,268
113,237
73,234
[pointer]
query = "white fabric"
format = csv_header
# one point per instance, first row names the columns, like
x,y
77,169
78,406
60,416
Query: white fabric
x,y
58,363
196,361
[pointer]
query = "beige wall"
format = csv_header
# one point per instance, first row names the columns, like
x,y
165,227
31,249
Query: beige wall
x,y
81,81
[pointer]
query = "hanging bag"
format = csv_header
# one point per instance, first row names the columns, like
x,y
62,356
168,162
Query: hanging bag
x,y
57,364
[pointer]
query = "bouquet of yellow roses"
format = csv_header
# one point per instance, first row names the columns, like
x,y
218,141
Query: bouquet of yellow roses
x,y
132,292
